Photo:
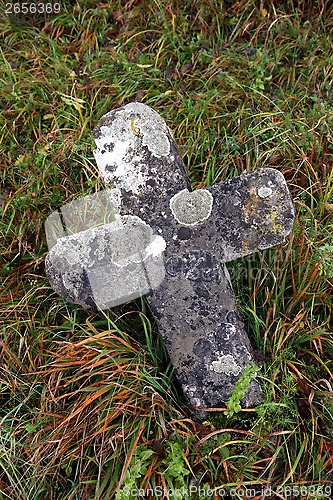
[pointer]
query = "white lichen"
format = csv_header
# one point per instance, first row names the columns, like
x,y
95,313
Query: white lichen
x,y
130,239
120,139
264,192
156,247
225,364
122,260
115,198
191,208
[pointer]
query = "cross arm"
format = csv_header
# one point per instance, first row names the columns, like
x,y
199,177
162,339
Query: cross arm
x,y
251,212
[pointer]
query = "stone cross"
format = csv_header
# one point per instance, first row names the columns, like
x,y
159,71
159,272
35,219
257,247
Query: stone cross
x,y
149,233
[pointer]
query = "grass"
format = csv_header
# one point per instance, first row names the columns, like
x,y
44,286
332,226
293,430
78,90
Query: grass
x,y
89,405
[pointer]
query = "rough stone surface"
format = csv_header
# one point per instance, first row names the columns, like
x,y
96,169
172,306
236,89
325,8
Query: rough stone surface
x,y
171,244
108,264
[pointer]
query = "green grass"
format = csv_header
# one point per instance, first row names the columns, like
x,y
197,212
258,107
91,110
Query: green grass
x,y
88,400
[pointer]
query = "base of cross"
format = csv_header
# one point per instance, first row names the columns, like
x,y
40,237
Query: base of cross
x,y
204,335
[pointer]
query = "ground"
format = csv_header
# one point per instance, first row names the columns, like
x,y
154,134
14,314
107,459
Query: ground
x,y
89,406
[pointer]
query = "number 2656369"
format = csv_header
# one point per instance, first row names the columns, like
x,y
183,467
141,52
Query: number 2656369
x,y
33,8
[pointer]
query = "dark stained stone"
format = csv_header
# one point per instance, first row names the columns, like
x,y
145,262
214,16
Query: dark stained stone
x,y
149,233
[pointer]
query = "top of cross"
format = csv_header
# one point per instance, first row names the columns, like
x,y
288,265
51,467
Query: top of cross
x,y
148,214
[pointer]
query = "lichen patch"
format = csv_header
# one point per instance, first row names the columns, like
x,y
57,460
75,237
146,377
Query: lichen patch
x,y
121,138
264,192
191,208
225,364
156,247
135,241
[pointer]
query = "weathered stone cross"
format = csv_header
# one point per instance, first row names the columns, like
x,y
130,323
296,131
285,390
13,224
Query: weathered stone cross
x,y
150,234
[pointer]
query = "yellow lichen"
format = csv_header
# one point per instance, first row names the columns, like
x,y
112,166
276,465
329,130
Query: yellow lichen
x,y
134,128
248,246
276,227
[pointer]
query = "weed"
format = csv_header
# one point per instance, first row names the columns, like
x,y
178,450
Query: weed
x,y
241,386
